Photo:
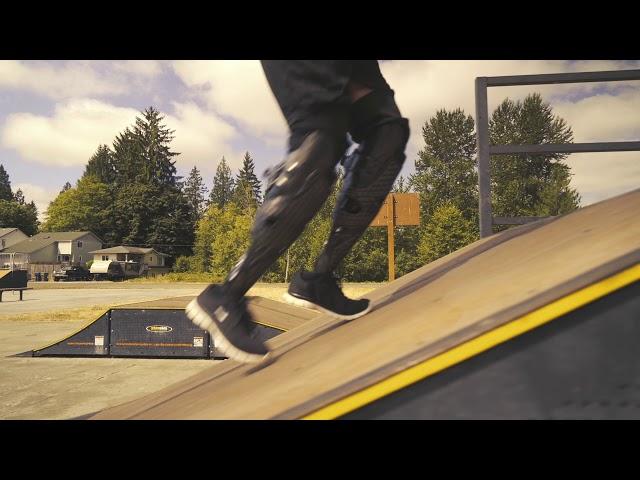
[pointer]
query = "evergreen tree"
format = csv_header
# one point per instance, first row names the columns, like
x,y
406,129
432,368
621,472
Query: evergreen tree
x,y
101,165
248,189
19,197
14,210
153,140
401,185
195,191
5,185
148,207
142,153
127,159
223,185
152,215
66,187
22,216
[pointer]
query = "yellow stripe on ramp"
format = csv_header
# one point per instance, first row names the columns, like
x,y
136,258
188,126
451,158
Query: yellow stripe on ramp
x,y
477,345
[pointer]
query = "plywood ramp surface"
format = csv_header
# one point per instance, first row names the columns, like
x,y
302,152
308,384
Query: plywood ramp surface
x,y
422,314
265,311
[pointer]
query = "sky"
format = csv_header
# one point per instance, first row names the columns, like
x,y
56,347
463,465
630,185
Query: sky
x,y
55,114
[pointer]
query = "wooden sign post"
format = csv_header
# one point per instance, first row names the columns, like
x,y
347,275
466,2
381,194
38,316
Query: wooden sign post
x,y
399,209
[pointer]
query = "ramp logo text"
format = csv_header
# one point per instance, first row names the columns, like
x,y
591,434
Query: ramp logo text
x,y
159,328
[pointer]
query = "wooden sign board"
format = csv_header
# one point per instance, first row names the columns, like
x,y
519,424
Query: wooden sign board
x,y
399,209
406,210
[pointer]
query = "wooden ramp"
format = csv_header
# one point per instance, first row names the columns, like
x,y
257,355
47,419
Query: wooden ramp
x,y
128,326
438,316
265,311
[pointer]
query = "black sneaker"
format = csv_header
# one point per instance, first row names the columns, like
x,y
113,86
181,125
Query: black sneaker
x,y
321,292
229,323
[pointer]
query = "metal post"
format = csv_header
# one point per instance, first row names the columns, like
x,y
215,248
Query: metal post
x,y
484,178
286,270
391,223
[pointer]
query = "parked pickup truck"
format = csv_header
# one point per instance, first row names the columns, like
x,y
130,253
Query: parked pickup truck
x,y
74,272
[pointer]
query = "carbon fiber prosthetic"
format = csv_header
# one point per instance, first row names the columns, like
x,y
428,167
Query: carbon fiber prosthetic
x,y
369,175
296,189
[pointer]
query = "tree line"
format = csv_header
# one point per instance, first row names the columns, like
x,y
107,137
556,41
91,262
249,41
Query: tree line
x,y
446,180
15,212
130,194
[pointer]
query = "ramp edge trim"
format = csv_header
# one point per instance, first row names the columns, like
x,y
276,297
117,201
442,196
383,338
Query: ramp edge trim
x,y
80,329
477,345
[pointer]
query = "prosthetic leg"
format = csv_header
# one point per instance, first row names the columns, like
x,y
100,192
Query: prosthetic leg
x,y
297,188
369,176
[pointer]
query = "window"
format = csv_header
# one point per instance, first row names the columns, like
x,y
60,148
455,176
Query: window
x,y
105,257
79,244
80,258
3,242
151,258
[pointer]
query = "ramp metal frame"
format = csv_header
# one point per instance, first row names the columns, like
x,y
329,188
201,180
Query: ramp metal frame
x,y
485,149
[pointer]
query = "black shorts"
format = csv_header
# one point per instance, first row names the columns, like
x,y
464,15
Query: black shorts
x,y
312,93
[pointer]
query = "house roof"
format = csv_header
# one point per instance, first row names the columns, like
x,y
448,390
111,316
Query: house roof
x,y
6,231
44,239
133,250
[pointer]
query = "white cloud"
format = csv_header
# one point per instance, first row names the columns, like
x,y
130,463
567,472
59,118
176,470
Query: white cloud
x,y
423,87
78,127
39,195
70,136
202,138
598,176
603,117
142,68
238,89
75,79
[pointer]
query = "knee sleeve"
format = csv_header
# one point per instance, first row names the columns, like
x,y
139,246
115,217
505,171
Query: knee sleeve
x,y
369,176
296,189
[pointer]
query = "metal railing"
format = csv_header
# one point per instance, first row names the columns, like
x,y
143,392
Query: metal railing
x,y
485,149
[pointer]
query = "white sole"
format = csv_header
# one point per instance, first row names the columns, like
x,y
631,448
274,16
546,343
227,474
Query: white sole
x,y
298,302
199,317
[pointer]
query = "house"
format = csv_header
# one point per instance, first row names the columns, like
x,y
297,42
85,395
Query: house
x,y
156,261
10,236
53,248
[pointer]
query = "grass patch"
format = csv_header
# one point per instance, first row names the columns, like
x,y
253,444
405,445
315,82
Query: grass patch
x,y
72,315
179,277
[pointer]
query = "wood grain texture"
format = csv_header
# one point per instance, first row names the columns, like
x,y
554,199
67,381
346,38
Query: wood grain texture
x,y
422,314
